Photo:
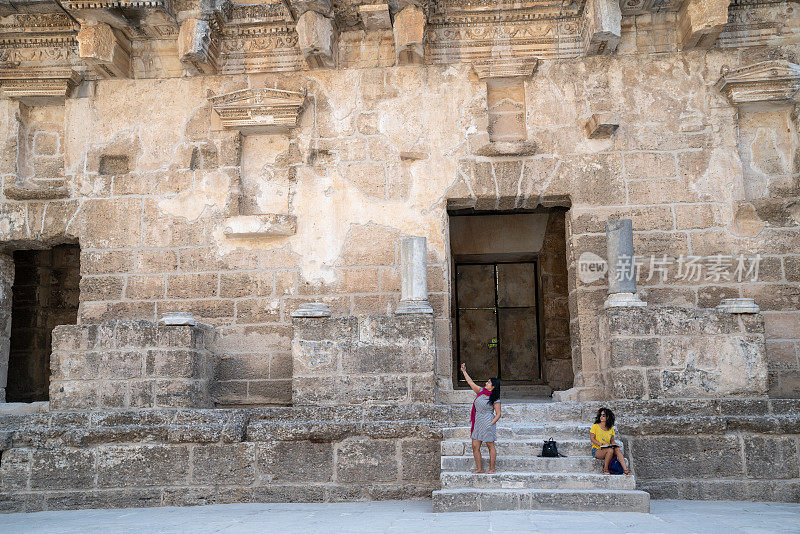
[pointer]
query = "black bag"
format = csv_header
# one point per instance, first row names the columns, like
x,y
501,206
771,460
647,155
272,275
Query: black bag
x,y
615,468
550,449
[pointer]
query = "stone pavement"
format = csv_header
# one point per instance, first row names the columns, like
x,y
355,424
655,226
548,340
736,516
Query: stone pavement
x,y
409,517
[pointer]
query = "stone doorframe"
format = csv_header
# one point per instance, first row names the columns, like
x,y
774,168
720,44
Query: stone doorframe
x,y
502,204
6,285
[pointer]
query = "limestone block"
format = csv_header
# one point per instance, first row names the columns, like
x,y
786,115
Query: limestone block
x,y
296,460
683,352
198,46
323,7
409,36
701,21
366,460
62,469
228,464
602,27
105,49
142,465
317,40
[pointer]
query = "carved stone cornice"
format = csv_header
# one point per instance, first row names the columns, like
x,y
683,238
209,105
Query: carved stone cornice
x,y
776,81
260,38
461,12
505,66
33,84
138,19
259,110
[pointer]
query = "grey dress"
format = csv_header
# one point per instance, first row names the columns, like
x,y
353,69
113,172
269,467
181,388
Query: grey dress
x,y
484,413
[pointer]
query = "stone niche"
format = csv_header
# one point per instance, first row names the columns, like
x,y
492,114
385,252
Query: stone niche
x,y
264,117
357,360
672,352
130,364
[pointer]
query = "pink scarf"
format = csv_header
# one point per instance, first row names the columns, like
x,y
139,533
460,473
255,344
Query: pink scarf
x,y
483,391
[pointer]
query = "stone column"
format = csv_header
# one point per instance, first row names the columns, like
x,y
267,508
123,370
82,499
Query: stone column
x,y
414,277
621,265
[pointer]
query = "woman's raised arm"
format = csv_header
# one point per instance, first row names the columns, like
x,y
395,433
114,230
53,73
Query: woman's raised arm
x,y
472,384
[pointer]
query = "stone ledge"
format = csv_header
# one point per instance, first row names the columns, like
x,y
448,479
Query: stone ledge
x,y
259,226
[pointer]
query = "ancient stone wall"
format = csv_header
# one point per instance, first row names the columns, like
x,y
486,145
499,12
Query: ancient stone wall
x,y
356,360
382,153
743,448
130,364
663,352
734,449
554,304
191,457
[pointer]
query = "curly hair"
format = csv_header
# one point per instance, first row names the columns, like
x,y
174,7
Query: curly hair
x,y
609,417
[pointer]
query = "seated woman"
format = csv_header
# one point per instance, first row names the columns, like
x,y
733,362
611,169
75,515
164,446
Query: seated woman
x,y
602,436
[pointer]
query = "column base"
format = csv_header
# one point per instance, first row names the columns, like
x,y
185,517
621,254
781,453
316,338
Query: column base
x,y
414,307
623,300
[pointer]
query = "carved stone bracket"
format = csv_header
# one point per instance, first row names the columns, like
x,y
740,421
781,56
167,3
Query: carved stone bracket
x,y
198,46
253,111
776,81
602,27
409,36
701,21
259,226
601,125
106,50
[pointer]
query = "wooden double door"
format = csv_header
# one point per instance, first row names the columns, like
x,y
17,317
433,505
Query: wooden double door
x,y
498,321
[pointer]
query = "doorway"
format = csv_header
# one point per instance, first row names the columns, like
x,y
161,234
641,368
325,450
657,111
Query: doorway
x,y
509,298
45,294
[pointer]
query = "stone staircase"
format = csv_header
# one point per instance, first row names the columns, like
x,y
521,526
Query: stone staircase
x,y
525,481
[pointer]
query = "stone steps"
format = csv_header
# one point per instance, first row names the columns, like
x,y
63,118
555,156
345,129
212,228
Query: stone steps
x,y
507,430
526,481
527,447
473,500
583,464
536,480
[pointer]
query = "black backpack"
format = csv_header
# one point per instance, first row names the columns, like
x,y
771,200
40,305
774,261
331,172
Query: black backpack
x,y
550,449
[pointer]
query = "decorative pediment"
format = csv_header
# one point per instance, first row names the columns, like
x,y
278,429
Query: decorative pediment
x,y
262,110
768,81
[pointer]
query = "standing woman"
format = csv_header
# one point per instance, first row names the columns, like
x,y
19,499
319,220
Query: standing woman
x,y
485,413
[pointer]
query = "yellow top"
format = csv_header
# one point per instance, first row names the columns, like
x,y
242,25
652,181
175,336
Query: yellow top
x,y
600,435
